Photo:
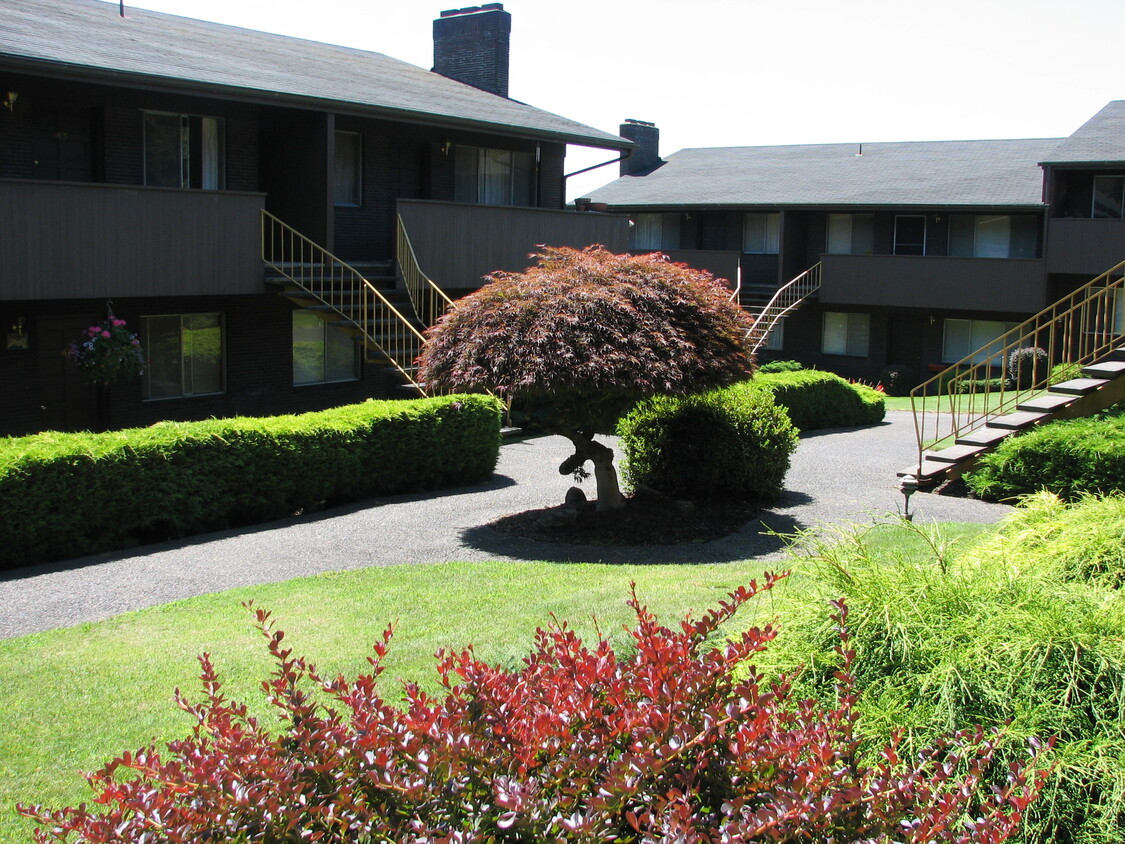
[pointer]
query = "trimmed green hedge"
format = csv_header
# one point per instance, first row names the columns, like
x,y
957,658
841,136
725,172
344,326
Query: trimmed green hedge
x,y
67,495
818,399
1070,458
732,441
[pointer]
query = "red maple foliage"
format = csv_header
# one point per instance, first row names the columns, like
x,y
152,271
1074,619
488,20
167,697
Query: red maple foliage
x,y
678,740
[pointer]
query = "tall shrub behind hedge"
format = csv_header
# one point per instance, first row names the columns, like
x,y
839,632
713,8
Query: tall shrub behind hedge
x,y
728,442
67,495
818,399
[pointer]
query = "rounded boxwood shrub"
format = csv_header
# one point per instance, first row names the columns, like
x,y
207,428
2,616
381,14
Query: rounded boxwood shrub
x,y
816,399
1026,367
781,366
733,442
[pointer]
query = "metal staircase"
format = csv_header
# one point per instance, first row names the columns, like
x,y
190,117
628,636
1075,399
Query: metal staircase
x,y
959,417
362,300
787,298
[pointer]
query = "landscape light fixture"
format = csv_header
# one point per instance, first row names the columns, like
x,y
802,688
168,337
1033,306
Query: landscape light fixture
x,y
10,102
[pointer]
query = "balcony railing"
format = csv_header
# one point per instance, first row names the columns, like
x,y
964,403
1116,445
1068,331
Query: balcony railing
x,y
72,240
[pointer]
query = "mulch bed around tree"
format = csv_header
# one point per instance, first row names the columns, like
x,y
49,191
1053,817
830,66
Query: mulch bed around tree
x,y
644,520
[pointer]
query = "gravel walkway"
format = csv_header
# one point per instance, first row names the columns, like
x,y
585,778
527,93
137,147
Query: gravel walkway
x,y
836,475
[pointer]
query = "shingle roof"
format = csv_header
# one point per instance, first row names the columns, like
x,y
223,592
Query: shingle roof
x,y
926,173
88,37
1099,139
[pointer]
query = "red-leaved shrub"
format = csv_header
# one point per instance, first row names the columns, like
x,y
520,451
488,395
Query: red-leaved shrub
x,y
679,740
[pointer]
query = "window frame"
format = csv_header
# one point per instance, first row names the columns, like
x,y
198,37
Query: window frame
x,y
973,345
849,317
518,162
767,225
189,147
1094,215
355,197
184,363
925,236
325,328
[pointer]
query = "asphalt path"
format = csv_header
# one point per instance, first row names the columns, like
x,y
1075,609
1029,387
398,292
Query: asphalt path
x,y
836,475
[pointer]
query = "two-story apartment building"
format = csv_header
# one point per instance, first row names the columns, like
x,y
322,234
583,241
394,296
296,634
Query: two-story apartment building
x,y
927,250
138,153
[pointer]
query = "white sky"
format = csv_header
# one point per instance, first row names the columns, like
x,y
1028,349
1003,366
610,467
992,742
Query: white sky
x,y
748,72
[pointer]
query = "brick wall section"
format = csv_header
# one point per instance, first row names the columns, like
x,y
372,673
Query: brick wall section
x,y
472,46
259,365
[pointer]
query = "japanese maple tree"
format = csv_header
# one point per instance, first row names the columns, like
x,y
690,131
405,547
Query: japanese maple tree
x,y
578,338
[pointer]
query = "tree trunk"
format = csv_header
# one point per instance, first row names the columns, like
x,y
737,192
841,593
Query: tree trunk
x,y
605,474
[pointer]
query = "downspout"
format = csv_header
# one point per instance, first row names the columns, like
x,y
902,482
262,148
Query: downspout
x,y
566,176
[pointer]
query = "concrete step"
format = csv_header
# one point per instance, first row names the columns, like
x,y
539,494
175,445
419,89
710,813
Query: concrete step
x,y
1018,421
1105,369
1080,386
956,453
1048,402
985,436
930,472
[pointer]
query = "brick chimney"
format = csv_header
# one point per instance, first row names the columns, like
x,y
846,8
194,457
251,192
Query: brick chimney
x,y
646,155
471,46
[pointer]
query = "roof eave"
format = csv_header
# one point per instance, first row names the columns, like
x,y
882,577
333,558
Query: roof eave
x,y
259,96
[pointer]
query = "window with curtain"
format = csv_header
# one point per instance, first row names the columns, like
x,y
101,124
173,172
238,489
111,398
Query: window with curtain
x,y
963,337
846,334
851,234
1109,197
348,168
761,233
184,151
494,176
322,354
185,355
993,236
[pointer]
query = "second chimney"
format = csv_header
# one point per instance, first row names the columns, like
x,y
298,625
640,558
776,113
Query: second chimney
x,y
471,45
646,154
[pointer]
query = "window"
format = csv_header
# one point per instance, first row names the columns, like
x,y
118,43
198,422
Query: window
x,y
910,234
851,234
1109,197
348,160
846,334
185,355
761,233
963,337
184,151
494,176
322,354
993,236
647,232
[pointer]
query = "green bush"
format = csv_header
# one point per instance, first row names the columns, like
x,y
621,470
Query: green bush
x,y
996,633
781,366
1064,372
981,385
1027,366
67,495
734,442
818,399
1070,458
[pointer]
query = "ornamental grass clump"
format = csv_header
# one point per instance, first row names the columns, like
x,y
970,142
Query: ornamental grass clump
x,y
999,632
679,739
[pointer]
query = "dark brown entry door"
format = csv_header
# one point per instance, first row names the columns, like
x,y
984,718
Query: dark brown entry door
x,y
67,400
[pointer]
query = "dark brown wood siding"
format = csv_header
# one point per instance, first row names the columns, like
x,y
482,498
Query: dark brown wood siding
x,y
72,241
456,244
1084,247
1017,286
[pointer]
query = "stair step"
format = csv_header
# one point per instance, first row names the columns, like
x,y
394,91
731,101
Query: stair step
x,y
987,437
1019,420
929,470
1080,386
1105,369
956,453
1048,402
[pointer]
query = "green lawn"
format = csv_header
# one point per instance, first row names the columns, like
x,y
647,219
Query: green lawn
x,y
74,698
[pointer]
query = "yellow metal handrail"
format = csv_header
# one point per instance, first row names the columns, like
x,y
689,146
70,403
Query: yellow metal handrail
x,y
1077,330
785,300
334,283
430,301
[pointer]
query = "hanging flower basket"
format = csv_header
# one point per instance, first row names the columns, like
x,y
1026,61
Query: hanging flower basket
x,y
108,351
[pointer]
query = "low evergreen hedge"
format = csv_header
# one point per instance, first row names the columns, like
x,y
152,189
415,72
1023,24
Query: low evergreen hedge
x,y
1070,458
818,399
67,495
731,442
